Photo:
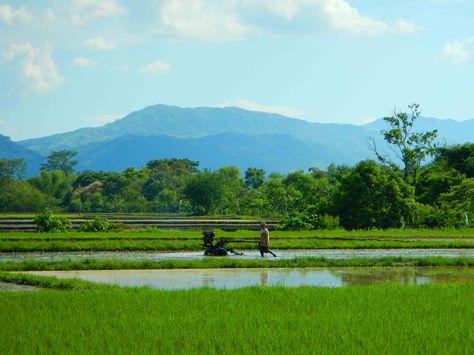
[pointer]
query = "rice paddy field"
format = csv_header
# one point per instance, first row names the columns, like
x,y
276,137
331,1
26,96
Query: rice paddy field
x,y
78,318
172,240
69,316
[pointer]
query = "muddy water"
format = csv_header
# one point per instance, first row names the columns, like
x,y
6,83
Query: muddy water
x,y
237,278
8,286
248,254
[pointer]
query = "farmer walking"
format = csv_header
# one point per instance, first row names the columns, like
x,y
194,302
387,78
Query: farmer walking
x,y
264,240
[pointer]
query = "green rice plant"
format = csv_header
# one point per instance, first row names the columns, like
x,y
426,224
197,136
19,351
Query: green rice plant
x,y
388,319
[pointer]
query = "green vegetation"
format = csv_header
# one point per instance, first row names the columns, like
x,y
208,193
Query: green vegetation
x,y
369,195
434,319
212,263
173,240
98,224
48,222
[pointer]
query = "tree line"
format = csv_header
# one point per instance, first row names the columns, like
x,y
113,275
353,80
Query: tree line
x,y
379,193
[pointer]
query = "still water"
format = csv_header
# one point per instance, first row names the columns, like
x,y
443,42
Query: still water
x,y
237,278
248,254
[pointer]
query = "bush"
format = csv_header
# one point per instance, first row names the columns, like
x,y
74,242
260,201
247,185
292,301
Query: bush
x,y
46,221
98,224
294,222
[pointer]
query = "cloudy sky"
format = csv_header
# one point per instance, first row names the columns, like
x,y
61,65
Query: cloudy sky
x,y
70,64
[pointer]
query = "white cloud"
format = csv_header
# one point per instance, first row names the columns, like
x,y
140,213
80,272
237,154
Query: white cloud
x,y
154,68
38,65
99,43
124,67
86,10
84,62
202,19
345,18
406,27
253,106
459,51
10,15
234,20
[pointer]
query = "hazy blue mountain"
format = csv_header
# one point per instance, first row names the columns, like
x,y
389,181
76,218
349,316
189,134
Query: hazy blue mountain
x,y
449,130
274,152
229,136
160,120
12,150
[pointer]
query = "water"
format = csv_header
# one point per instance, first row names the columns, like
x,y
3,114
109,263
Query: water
x,y
237,278
248,254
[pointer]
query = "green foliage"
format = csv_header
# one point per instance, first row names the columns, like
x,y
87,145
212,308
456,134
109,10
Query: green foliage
x,y
368,197
98,224
11,169
48,222
254,178
458,157
61,160
412,148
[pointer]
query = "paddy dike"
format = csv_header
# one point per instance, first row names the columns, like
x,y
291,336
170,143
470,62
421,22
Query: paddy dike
x,y
335,254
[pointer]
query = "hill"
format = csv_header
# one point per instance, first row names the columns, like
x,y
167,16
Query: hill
x,y
229,136
12,150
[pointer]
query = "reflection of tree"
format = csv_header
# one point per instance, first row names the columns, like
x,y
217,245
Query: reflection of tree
x,y
264,277
376,276
208,279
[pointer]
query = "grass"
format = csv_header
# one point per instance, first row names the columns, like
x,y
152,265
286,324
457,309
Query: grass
x,y
172,240
208,263
23,245
388,319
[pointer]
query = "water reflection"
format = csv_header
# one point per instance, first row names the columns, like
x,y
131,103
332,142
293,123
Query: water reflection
x,y
237,278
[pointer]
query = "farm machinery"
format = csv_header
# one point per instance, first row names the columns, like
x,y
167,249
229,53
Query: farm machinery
x,y
218,248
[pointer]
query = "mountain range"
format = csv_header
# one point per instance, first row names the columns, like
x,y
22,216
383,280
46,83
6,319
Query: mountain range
x,y
219,137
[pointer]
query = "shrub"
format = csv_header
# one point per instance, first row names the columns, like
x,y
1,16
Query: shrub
x,y
294,222
46,221
98,224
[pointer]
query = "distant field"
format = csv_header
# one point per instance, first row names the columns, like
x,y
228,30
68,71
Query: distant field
x,y
388,319
173,240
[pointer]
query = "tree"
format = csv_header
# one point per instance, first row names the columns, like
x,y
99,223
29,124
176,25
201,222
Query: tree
x,y
369,197
61,160
254,178
412,148
11,169
459,157
206,192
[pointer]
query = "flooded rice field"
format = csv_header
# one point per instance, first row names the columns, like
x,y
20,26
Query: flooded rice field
x,y
237,278
248,254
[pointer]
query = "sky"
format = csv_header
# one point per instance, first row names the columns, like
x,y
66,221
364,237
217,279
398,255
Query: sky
x,y
65,64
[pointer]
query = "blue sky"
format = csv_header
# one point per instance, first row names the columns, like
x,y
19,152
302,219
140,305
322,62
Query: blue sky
x,y
71,64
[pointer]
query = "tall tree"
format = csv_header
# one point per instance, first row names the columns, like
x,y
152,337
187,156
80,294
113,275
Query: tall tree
x,y
411,148
369,197
61,160
254,178
12,169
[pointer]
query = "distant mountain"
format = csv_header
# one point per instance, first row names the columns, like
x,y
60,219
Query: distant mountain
x,y
12,150
449,130
274,152
229,136
162,120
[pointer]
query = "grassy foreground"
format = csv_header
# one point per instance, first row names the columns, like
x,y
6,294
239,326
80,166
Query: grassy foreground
x,y
434,319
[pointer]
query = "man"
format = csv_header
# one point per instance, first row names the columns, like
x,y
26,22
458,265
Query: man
x,y
264,240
